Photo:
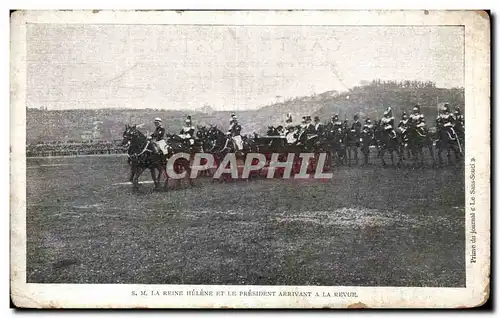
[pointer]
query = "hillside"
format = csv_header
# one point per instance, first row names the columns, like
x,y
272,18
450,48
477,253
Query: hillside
x,y
371,101
368,100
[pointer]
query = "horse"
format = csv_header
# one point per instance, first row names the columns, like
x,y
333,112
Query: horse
x,y
448,140
404,138
142,155
335,137
352,142
418,139
366,142
221,143
387,142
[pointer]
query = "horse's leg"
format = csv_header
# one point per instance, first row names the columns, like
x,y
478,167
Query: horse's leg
x,y
349,155
421,155
137,174
431,153
153,176
392,156
356,155
188,175
381,155
132,173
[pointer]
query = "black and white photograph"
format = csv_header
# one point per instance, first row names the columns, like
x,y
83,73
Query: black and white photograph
x,y
250,159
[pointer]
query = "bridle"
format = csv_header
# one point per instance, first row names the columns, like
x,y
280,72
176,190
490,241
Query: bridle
x,y
135,155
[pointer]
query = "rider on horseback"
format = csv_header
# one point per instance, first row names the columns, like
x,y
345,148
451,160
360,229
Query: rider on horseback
x,y
460,120
157,137
356,125
367,128
318,126
388,123
404,123
187,132
368,124
309,128
421,127
446,120
335,122
235,132
416,115
291,135
356,128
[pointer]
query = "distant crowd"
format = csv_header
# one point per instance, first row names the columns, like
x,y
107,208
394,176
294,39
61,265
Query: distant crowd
x,y
73,148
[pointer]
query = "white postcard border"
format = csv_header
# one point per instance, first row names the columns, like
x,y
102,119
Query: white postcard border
x,y
477,100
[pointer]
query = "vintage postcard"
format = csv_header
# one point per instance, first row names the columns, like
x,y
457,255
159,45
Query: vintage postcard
x,y
250,159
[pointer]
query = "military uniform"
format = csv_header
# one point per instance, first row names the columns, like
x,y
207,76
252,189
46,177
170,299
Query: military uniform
x,y
158,134
388,123
187,133
404,124
446,120
158,138
416,116
235,132
356,127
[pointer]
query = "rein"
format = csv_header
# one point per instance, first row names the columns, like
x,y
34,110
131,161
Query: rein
x,y
142,152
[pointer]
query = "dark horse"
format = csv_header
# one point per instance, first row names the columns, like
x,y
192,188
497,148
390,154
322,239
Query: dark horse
x,y
335,137
418,139
388,141
352,142
221,144
366,142
448,140
143,154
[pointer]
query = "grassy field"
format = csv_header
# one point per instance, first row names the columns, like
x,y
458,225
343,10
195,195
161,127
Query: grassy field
x,y
368,226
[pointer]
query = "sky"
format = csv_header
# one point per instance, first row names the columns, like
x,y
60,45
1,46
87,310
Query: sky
x,y
226,67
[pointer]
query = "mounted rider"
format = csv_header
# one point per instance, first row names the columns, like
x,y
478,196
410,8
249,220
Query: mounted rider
x,y
234,132
309,128
335,123
422,127
158,137
416,115
460,120
388,123
367,129
368,124
446,121
356,125
319,128
187,131
291,134
404,123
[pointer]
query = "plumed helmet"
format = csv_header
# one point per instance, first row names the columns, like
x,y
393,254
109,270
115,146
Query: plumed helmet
x,y
157,120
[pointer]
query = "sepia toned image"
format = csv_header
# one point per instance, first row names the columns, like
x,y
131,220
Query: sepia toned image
x,y
276,159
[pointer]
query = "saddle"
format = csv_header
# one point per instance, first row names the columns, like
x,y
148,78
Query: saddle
x,y
161,147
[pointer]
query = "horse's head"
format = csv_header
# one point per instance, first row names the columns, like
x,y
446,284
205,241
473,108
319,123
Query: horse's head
x,y
201,132
214,133
131,134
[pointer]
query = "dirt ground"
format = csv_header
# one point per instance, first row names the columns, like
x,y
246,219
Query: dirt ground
x,y
367,226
